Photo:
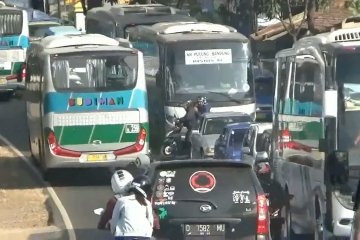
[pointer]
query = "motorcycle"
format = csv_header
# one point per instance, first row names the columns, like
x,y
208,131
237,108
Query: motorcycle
x,y
277,198
174,144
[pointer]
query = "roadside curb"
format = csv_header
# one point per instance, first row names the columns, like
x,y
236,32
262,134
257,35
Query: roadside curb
x,y
57,229
42,233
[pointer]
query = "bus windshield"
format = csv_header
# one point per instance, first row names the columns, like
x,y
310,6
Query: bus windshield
x,y
11,22
220,70
90,72
19,3
264,90
347,74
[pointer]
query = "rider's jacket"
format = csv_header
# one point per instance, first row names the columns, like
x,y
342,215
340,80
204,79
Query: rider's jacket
x,y
204,108
190,120
106,216
130,218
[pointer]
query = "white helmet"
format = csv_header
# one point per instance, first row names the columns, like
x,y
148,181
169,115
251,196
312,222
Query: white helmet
x,y
120,180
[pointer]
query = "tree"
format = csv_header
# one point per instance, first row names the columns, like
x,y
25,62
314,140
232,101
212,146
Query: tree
x,y
355,7
89,4
292,13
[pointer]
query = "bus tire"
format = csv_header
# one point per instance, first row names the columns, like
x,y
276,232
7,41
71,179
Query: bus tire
x,y
42,164
31,151
286,232
320,230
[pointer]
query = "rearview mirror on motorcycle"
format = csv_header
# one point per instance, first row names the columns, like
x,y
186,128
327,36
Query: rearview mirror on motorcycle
x,y
98,211
261,157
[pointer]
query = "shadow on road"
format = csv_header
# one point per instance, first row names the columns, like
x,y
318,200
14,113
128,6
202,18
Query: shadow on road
x,y
81,234
14,174
86,176
80,177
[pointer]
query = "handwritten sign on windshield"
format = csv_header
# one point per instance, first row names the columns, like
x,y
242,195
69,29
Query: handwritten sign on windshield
x,y
209,56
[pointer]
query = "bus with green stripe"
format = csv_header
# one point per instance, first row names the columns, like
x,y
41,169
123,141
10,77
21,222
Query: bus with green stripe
x,y
14,42
86,102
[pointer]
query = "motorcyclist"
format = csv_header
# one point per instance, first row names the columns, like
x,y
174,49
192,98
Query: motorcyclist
x,y
203,105
277,196
120,182
190,120
132,217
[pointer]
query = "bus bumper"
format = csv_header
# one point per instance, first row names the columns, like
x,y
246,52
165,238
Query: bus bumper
x,y
10,86
53,161
342,218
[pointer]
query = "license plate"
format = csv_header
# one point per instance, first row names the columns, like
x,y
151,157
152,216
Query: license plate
x,y
97,157
261,115
204,229
3,81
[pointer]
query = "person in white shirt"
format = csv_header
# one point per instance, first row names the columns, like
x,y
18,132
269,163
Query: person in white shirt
x,y
132,217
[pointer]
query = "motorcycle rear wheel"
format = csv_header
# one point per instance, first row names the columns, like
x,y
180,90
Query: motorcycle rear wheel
x,y
166,152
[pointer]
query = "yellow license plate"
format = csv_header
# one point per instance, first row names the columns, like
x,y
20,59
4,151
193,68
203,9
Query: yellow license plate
x,y
97,157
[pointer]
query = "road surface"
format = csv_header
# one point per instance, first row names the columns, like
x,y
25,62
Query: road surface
x,y
80,191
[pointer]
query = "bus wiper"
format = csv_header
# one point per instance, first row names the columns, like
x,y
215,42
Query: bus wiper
x,y
230,98
197,200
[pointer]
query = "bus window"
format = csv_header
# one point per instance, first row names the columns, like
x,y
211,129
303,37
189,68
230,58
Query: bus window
x,y
11,23
94,73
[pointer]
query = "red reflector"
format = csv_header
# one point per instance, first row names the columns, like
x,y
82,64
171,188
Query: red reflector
x,y
137,147
262,215
59,151
23,72
11,77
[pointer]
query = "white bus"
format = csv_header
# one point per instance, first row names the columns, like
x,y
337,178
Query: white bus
x,y
316,121
86,102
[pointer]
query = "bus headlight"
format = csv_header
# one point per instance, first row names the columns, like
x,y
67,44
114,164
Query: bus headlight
x,y
344,200
209,150
170,119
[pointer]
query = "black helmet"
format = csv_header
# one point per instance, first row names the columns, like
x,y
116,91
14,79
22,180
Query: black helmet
x,y
142,185
201,100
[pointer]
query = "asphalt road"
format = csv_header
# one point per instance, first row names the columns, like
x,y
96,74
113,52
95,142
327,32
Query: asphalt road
x,y
80,191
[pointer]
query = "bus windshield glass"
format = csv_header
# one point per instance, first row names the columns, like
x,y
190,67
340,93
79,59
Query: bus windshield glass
x,y
220,70
11,23
90,72
19,3
264,90
347,74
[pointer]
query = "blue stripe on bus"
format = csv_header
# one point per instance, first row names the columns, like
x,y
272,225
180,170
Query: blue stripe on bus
x,y
100,101
14,41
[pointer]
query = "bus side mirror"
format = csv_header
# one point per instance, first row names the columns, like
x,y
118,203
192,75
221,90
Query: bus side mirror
x,y
246,150
327,143
338,163
158,79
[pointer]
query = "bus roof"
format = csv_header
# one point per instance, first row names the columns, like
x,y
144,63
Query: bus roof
x,y
186,31
77,40
338,38
139,14
61,30
3,6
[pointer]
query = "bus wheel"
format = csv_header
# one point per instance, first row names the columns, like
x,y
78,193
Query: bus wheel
x,y
320,230
286,230
286,227
42,165
30,148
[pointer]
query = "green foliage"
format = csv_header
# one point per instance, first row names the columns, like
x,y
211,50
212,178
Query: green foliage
x,y
276,8
355,7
